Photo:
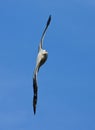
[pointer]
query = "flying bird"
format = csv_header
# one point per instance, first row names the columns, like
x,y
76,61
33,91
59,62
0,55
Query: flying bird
x,y
41,59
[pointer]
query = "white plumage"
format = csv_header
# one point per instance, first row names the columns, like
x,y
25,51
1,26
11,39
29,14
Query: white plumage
x,y
41,59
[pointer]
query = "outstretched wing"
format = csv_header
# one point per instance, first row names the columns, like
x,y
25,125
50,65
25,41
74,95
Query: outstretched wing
x,y
35,94
43,34
35,85
35,89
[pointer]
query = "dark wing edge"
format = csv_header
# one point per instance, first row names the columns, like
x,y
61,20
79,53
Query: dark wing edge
x,y
43,34
48,22
35,90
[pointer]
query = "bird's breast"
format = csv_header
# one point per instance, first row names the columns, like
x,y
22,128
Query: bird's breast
x,y
43,58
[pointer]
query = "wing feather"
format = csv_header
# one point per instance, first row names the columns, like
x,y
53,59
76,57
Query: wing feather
x,y
35,90
43,34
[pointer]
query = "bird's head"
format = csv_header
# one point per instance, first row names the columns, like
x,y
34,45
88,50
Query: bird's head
x,y
45,52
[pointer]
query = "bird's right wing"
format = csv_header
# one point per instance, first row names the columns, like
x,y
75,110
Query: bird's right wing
x,y
43,34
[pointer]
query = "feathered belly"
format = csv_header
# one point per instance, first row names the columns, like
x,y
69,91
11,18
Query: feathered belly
x,y
43,59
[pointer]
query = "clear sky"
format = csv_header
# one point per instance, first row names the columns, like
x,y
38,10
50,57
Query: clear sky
x,y
66,97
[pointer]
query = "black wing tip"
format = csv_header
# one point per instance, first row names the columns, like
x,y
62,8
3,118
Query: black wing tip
x,y
34,111
35,89
50,16
49,20
34,104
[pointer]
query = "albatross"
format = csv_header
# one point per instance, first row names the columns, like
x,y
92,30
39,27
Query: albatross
x,y
41,59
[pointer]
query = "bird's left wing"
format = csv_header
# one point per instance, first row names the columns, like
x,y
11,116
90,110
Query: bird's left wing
x,y
35,85
35,89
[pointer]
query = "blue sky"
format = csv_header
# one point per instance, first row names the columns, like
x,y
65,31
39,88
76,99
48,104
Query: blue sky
x,y
66,98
